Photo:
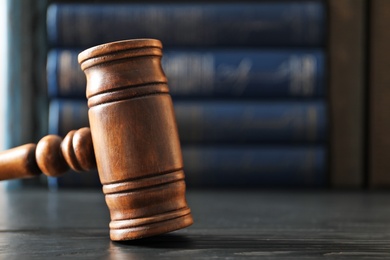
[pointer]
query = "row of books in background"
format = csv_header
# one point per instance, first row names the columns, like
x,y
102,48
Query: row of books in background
x,y
248,82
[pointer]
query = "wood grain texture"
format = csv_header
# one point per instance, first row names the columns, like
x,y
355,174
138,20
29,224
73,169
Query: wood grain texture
x,y
51,155
19,162
77,149
347,65
229,225
135,138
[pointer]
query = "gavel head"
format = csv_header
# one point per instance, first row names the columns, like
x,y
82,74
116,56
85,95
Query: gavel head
x,y
135,138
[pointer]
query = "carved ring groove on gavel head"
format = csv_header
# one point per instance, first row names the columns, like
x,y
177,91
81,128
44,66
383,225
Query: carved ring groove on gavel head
x,y
134,140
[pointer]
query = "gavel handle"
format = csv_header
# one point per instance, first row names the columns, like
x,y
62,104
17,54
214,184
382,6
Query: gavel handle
x,y
52,155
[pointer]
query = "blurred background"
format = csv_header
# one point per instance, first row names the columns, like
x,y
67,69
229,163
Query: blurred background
x,y
3,73
267,94
3,70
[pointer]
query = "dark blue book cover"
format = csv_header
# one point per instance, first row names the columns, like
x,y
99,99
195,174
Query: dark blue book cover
x,y
252,73
216,121
255,166
222,121
64,76
272,23
213,73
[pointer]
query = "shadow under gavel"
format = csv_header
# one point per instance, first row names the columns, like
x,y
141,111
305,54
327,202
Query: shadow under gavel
x,y
132,139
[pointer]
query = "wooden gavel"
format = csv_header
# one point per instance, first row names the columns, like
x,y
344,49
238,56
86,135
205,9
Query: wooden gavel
x,y
132,138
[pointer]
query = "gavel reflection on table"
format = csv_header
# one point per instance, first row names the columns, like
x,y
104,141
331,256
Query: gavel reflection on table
x,y
132,139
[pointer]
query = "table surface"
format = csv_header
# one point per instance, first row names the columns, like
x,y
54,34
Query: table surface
x,y
37,224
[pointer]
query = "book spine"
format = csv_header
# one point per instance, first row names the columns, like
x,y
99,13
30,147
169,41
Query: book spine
x,y
245,73
213,73
255,166
65,78
66,115
222,121
300,23
251,121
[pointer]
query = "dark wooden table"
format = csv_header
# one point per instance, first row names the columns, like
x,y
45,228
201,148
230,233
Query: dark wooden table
x,y
37,224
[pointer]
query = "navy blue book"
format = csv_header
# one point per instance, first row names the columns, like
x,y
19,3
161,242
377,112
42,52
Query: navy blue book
x,y
216,121
224,121
255,166
236,166
273,23
221,73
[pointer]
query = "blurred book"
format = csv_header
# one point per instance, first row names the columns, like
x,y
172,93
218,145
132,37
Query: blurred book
x,y
288,23
248,80
213,73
